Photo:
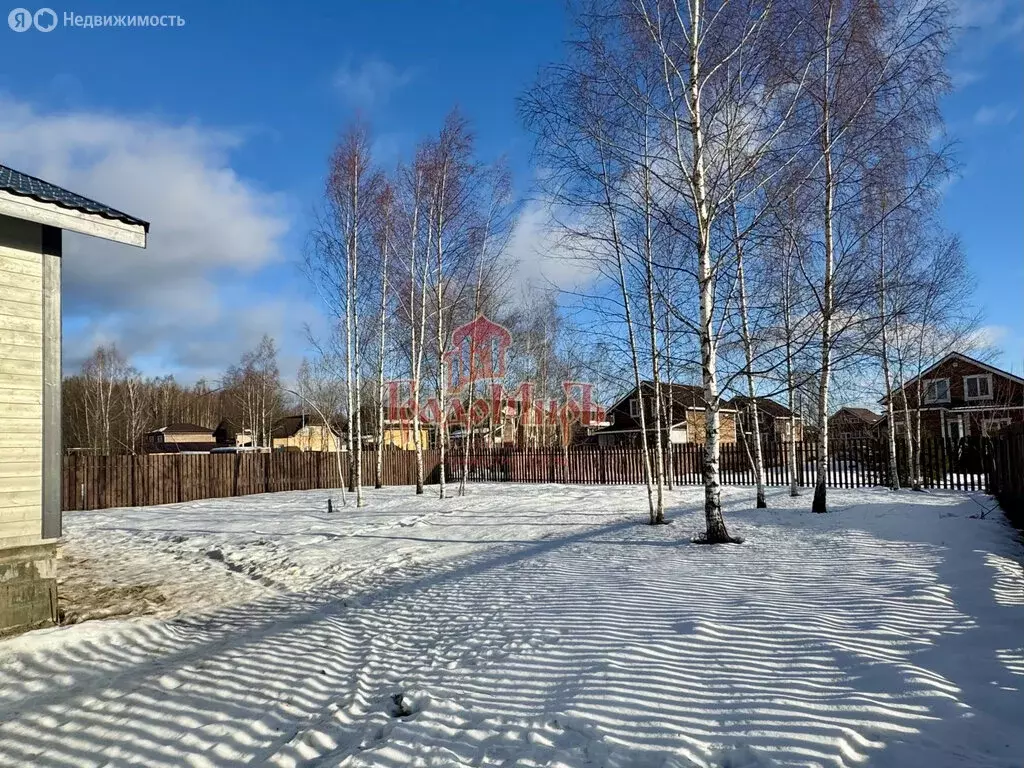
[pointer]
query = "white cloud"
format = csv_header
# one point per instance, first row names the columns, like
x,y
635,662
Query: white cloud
x,y
540,258
997,114
988,336
978,13
962,78
210,229
371,82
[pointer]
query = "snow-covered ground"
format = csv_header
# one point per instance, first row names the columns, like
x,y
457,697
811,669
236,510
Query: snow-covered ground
x,y
529,626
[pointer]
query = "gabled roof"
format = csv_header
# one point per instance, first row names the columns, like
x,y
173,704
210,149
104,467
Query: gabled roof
x,y
181,428
682,395
864,414
18,183
289,426
764,405
966,359
33,199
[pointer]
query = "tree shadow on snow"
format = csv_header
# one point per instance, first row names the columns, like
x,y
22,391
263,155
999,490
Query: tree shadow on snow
x,y
610,646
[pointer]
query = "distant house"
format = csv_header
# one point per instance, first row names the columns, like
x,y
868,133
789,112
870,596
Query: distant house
x,y
687,417
962,397
228,435
853,423
305,432
772,419
399,434
179,438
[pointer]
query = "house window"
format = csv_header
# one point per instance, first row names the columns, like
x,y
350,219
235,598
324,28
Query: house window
x,y
992,427
978,387
936,390
634,408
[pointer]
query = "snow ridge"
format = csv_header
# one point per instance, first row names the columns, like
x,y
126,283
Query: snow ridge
x,y
542,626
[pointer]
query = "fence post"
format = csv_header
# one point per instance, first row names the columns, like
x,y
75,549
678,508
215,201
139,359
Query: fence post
x,y
177,468
800,461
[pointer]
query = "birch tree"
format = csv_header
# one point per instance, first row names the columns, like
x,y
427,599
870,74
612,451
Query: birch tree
x,y
716,61
385,236
338,247
415,307
103,373
452,184
874,66
595,178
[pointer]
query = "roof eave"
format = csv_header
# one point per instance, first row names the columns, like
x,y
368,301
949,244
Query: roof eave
x,y
92,224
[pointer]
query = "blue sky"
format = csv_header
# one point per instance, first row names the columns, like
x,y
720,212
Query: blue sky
x,y
218,131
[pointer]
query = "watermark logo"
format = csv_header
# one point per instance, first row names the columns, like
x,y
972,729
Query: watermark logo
x,y
479,352
477,356
46,20
22,19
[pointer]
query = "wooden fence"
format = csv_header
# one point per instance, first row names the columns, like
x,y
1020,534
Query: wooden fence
x,y
1007,473
861,463
99,482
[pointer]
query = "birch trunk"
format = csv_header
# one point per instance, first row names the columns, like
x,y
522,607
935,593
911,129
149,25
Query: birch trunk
x,y
668,403
659,455
748,351
918,470
477,310
890,410
420,324
349,394
794,480
441,368
820,503
378,480
908,435
624,293
716,530
355,335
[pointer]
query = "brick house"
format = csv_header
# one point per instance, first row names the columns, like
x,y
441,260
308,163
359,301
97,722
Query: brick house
x,y
854,423
772,418
688,421
962,397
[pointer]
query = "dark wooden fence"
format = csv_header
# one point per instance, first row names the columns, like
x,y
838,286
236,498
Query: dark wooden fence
x,y
852,464
99,482
1006,480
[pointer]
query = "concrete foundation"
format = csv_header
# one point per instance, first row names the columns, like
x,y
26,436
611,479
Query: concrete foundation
x,y
28,587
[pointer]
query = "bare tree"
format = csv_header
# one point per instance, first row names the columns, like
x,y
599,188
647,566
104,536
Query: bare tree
x,y
874,68
385,236
318,388
136,406
255,385
103,373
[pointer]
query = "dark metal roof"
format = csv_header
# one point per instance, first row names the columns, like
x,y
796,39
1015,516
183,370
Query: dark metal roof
x,y
764,405
181,428
289,426
18,183
868,417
